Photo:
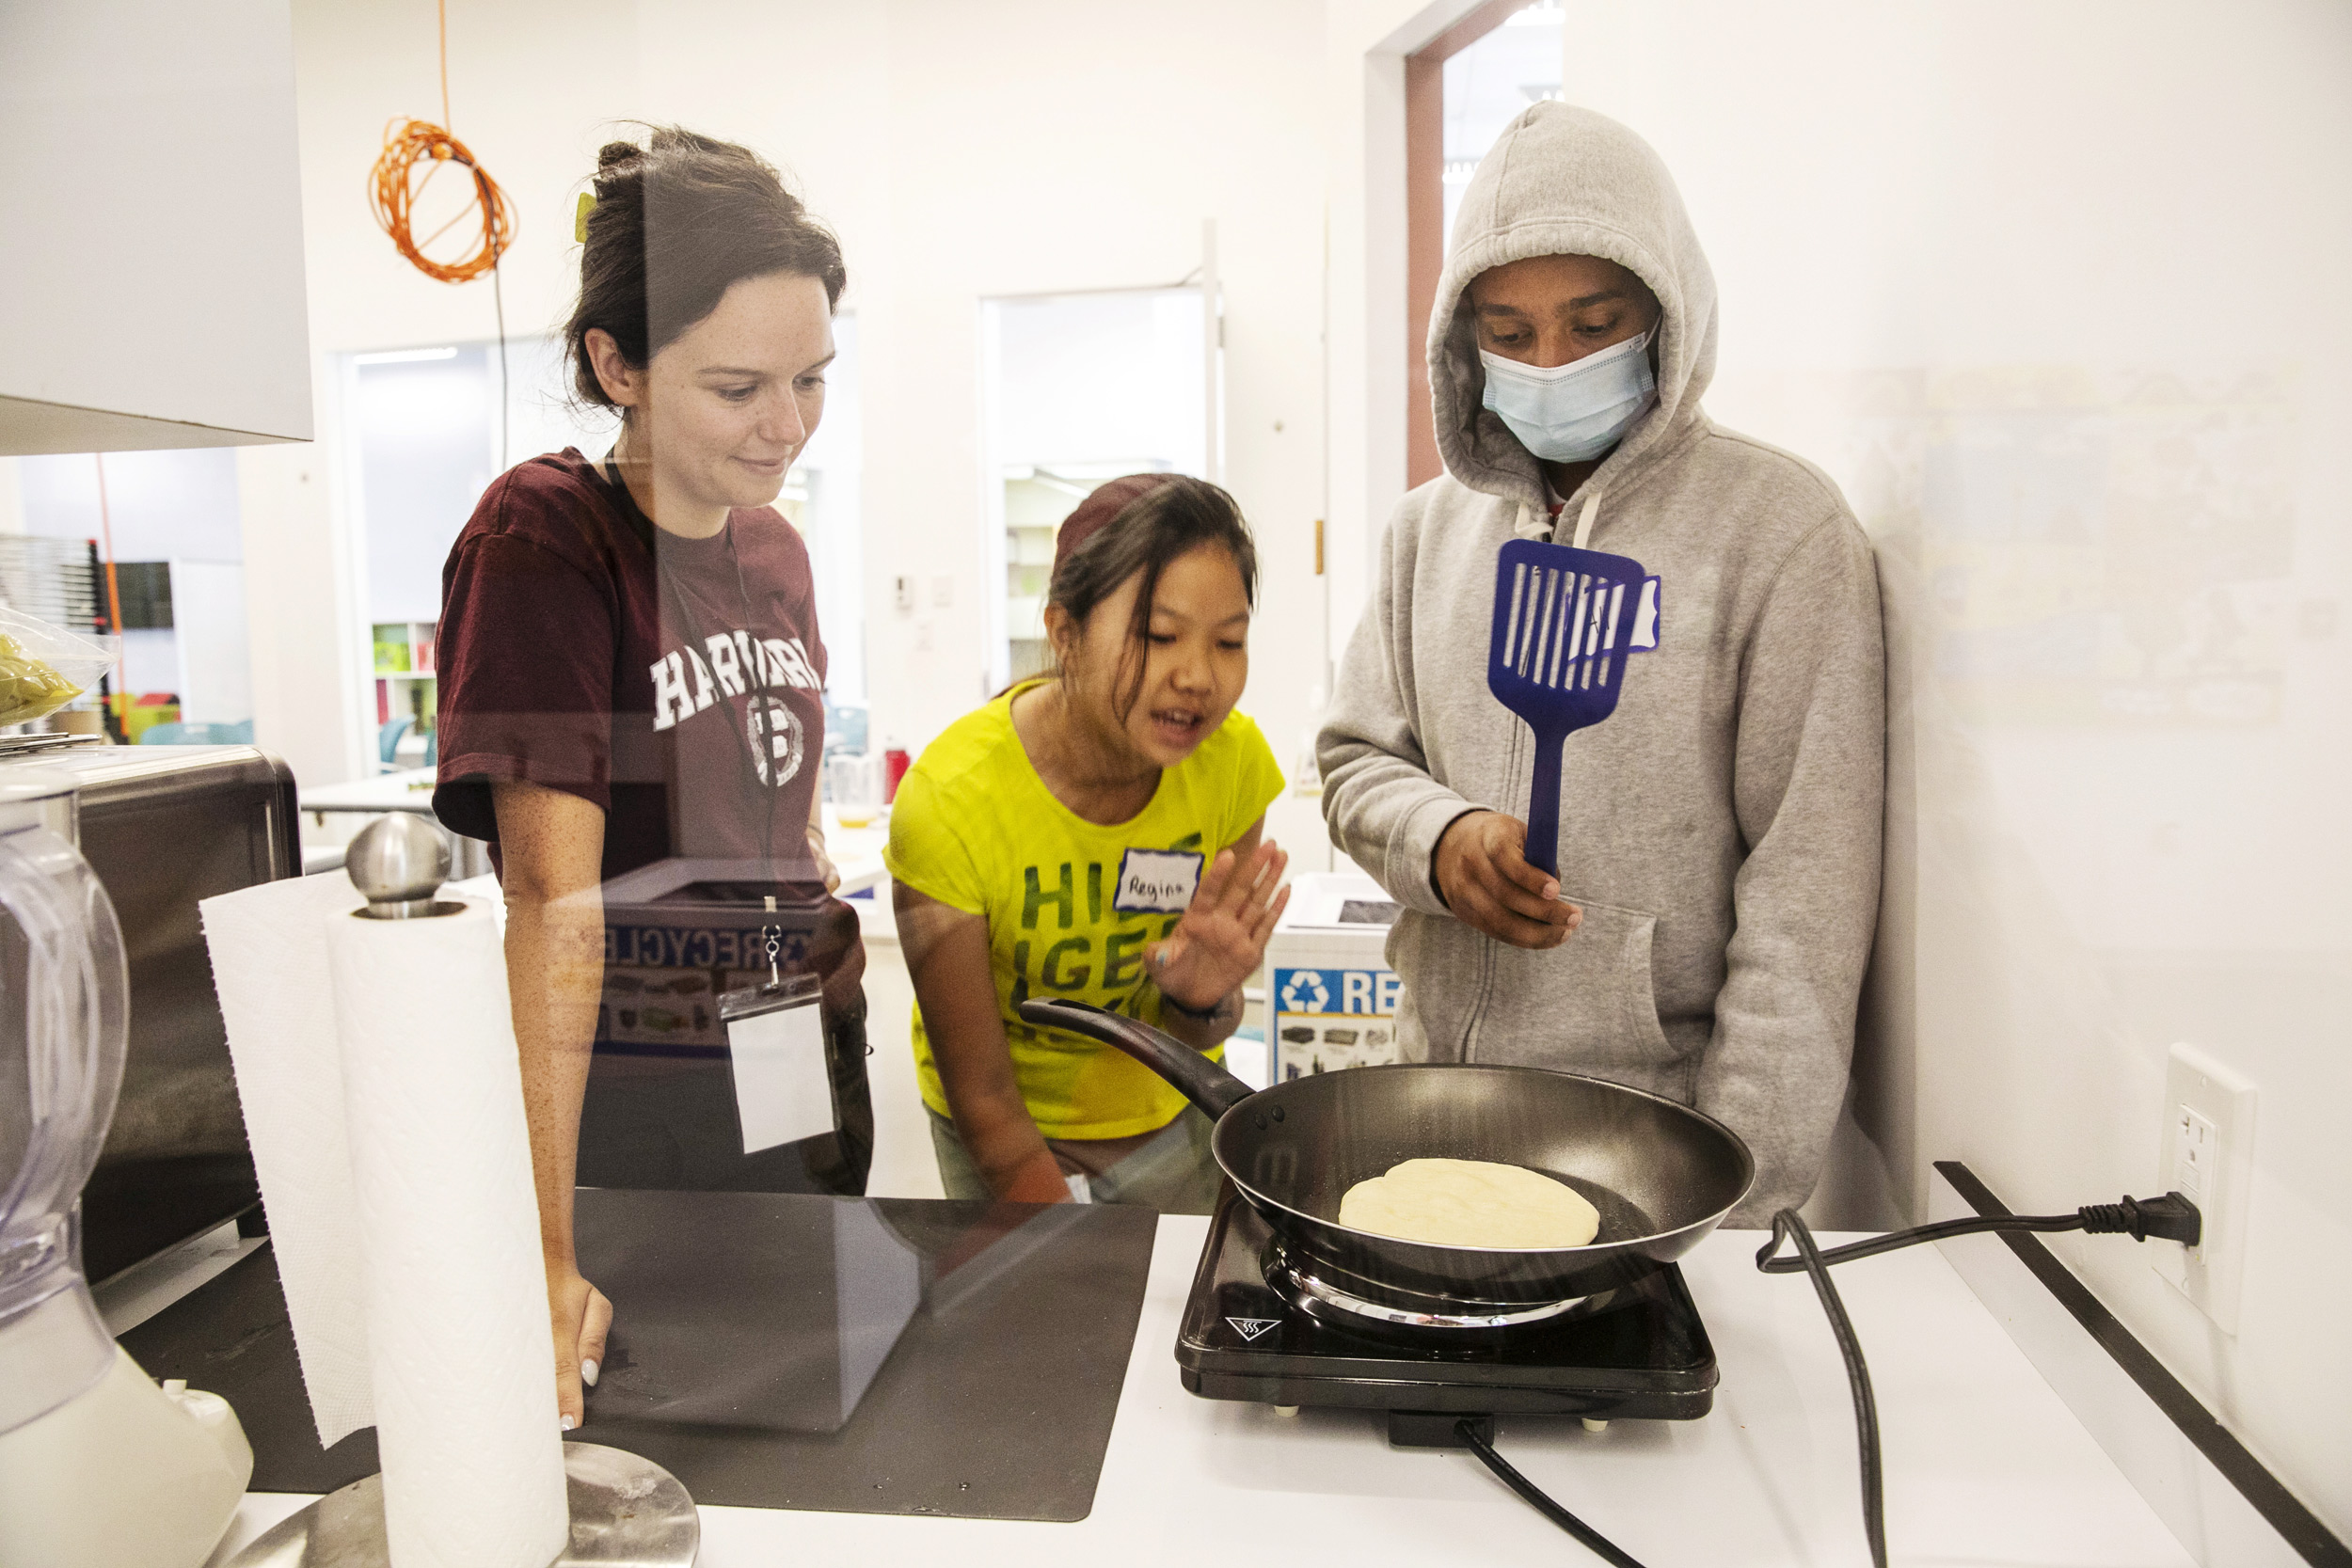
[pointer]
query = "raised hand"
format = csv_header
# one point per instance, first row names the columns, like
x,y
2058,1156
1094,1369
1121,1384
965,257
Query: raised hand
x,y
1221,939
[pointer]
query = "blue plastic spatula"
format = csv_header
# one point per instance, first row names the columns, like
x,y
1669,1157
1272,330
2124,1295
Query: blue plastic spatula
x,y
1566,621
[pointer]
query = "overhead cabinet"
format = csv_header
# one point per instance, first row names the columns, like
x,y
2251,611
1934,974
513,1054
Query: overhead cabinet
x,y
151,228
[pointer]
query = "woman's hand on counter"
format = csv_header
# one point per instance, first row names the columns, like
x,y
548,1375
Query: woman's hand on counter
x,y
580,1317
1221,940
1482,873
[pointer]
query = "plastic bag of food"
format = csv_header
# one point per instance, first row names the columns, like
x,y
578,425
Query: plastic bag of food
x,y
43,667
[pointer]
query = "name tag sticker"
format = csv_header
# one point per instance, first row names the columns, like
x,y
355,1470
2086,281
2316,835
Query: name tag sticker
x,y
1156,881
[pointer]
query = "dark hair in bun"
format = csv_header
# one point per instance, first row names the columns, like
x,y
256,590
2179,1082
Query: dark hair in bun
x,y
676,223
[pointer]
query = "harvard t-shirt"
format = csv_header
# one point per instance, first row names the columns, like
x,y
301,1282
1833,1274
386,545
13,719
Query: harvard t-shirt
x,y
675,683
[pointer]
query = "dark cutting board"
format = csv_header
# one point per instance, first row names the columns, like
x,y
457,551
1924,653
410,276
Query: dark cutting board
x,y
882,1356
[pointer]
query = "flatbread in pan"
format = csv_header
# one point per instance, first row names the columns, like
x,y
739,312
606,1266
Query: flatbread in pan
x,y
1471,1203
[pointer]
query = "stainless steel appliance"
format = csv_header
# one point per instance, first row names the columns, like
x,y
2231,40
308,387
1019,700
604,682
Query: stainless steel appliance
x,y
164,825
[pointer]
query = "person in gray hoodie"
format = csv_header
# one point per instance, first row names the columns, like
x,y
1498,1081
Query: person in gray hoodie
x,y
1718,881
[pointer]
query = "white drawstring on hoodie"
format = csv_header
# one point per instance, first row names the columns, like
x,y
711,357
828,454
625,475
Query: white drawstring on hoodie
x,y
1528,528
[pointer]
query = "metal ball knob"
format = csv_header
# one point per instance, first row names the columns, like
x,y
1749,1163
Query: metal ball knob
x,y
398,863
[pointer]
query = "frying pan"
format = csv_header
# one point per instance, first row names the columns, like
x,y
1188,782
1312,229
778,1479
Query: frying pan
x,y
1662,1175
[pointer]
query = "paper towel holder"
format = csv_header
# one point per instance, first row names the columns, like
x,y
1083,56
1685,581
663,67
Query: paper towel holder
x,y
398,863
626,1510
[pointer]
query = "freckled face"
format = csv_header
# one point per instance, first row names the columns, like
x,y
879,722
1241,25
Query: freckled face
x,y
721,410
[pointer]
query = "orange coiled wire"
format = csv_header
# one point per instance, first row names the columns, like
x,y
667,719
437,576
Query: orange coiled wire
x,y
395,187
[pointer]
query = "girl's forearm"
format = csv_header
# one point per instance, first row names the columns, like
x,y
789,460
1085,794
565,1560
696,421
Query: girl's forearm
x,y
555,977
1009,1151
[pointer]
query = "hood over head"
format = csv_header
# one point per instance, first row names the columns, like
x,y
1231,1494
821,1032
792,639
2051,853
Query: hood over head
x,y
1566,182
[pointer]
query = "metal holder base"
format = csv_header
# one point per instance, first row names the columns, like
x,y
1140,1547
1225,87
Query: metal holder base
x,y
626,1510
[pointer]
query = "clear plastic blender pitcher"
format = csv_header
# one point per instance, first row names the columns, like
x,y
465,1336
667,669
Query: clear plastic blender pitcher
x,y
81,1429
63,1013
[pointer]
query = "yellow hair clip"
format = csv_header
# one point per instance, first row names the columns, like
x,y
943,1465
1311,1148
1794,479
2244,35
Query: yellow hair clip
x,y
580,217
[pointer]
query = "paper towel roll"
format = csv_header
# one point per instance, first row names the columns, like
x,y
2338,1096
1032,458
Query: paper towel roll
x,y
463,1360
268,947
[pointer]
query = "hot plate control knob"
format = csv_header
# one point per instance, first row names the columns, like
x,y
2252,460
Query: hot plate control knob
x,y
1591,1425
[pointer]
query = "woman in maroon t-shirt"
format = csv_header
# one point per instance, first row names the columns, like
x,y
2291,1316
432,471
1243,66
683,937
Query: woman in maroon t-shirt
x,y
632,686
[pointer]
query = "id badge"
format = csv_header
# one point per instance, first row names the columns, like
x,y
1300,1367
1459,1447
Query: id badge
x,y
776,1057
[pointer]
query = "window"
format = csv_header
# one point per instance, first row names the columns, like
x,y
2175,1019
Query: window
x,y
1077,389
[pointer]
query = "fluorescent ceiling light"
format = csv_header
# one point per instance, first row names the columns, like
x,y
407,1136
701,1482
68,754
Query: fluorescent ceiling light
x,y
404,356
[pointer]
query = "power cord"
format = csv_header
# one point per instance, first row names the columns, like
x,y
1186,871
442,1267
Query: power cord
x,y
2171,1218
1602,1548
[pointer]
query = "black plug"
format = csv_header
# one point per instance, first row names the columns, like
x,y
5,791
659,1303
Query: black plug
x,y
2170,1218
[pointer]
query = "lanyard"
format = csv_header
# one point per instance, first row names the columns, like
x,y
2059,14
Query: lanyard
x,y
756,698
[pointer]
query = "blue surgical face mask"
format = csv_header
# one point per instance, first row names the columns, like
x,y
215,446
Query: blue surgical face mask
x,y
1572,413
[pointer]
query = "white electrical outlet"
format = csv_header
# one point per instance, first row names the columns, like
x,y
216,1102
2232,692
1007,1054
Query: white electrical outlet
x,y
2206,1154
943,591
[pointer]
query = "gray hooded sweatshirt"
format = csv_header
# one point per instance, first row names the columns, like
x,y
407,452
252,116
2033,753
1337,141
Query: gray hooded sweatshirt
x,y
1720,829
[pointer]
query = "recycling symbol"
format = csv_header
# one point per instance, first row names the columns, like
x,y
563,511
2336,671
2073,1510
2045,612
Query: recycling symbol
x,y
1304,993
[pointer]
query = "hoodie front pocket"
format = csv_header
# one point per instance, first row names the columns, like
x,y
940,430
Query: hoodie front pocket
x,y
1588,1005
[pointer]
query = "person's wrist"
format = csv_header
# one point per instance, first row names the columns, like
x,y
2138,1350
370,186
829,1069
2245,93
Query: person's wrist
x,y
1038,1178
1436,855
1197,1014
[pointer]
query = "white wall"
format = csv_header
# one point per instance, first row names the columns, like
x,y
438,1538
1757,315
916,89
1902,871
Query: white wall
x,y
161,504
209,623
2057,294
308,621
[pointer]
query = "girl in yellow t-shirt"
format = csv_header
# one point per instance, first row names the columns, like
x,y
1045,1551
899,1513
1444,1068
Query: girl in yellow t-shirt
x,y
1095,836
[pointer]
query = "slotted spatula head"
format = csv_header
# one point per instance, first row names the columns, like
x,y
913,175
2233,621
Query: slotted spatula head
x,y
1565,623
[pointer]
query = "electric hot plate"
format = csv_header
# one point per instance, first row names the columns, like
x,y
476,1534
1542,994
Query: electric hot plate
x,y
1254,1330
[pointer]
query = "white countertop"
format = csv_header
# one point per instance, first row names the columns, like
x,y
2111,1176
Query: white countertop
x,y
1984,1464
411,789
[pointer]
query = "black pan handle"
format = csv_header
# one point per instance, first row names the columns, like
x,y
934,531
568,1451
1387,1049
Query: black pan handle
x,y
1205,1083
